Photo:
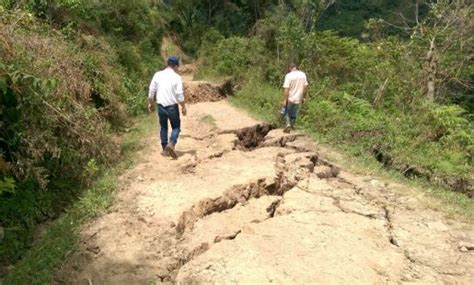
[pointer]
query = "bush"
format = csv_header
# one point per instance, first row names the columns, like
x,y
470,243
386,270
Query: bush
x,y
261,99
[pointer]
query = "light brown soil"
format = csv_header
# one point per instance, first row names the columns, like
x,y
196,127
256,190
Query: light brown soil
x,y
246,204
201,91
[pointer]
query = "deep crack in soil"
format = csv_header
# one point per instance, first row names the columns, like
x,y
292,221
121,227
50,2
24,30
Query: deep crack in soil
x,y
251,137
246,203
239,194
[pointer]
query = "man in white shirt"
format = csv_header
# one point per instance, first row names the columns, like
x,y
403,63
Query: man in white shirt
x,y
295,88
166,92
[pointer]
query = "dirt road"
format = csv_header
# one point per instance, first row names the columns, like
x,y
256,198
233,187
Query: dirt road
x,y
247,204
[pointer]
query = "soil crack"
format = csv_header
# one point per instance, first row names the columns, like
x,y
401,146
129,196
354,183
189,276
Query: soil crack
x,y
282,182
230,198
273,207
389,225
252,137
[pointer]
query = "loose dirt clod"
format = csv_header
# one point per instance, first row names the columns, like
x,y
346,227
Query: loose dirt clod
x,y
251,137
205,92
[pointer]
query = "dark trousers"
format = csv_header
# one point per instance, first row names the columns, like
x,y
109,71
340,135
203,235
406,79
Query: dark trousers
x,y
292,114
165,114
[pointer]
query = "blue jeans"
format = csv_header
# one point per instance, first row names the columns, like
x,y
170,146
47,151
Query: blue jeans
x,y
291,114
170,113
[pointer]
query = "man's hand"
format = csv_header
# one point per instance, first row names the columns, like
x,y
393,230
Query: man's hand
x,y
151,107
286,94
183,110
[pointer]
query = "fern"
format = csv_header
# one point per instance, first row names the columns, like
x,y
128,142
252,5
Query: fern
x,y
7,185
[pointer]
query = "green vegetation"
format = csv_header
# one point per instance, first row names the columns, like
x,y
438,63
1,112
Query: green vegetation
x,y
350,18
209,120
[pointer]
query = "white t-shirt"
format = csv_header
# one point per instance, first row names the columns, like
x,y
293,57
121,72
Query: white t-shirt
x,y
168,87
296,82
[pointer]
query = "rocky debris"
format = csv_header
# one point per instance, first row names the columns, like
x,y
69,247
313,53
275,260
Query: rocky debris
x,y
323,171
251,137
278,138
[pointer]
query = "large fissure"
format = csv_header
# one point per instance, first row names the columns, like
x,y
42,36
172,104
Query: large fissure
x,y
287,175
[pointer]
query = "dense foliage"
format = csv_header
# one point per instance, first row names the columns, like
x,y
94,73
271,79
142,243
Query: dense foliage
x,y
350,18
71,74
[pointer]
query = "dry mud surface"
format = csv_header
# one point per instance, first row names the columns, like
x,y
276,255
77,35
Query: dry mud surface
x,y
247,204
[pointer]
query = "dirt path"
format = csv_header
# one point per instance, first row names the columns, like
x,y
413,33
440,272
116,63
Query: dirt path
x,y
247,204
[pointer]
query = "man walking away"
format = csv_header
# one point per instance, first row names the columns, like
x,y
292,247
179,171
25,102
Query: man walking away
x,y
295,88
166,91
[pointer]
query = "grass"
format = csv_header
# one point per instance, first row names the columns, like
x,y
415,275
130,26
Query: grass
x,y
209,120
169,48
358,160
63,236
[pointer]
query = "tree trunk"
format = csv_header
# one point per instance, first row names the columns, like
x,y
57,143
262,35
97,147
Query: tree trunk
x,y
431,67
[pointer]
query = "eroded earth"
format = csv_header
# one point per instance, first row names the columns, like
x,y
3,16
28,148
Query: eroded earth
x,y
245,203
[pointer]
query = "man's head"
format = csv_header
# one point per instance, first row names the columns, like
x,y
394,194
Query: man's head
x,y
173,62
292,66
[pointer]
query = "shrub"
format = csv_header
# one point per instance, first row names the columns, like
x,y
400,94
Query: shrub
x,y
238,57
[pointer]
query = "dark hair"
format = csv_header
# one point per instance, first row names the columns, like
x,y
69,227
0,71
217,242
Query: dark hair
x,y
292,65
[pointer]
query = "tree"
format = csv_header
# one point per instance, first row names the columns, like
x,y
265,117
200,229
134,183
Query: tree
x,y
309,11
448,32
446,35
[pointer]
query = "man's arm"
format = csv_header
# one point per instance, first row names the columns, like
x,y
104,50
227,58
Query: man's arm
x,y
305,91
183,108
151,105
152,95
286,93
180,97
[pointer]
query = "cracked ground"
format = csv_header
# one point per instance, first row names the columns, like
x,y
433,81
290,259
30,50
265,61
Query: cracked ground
x,y
245,203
